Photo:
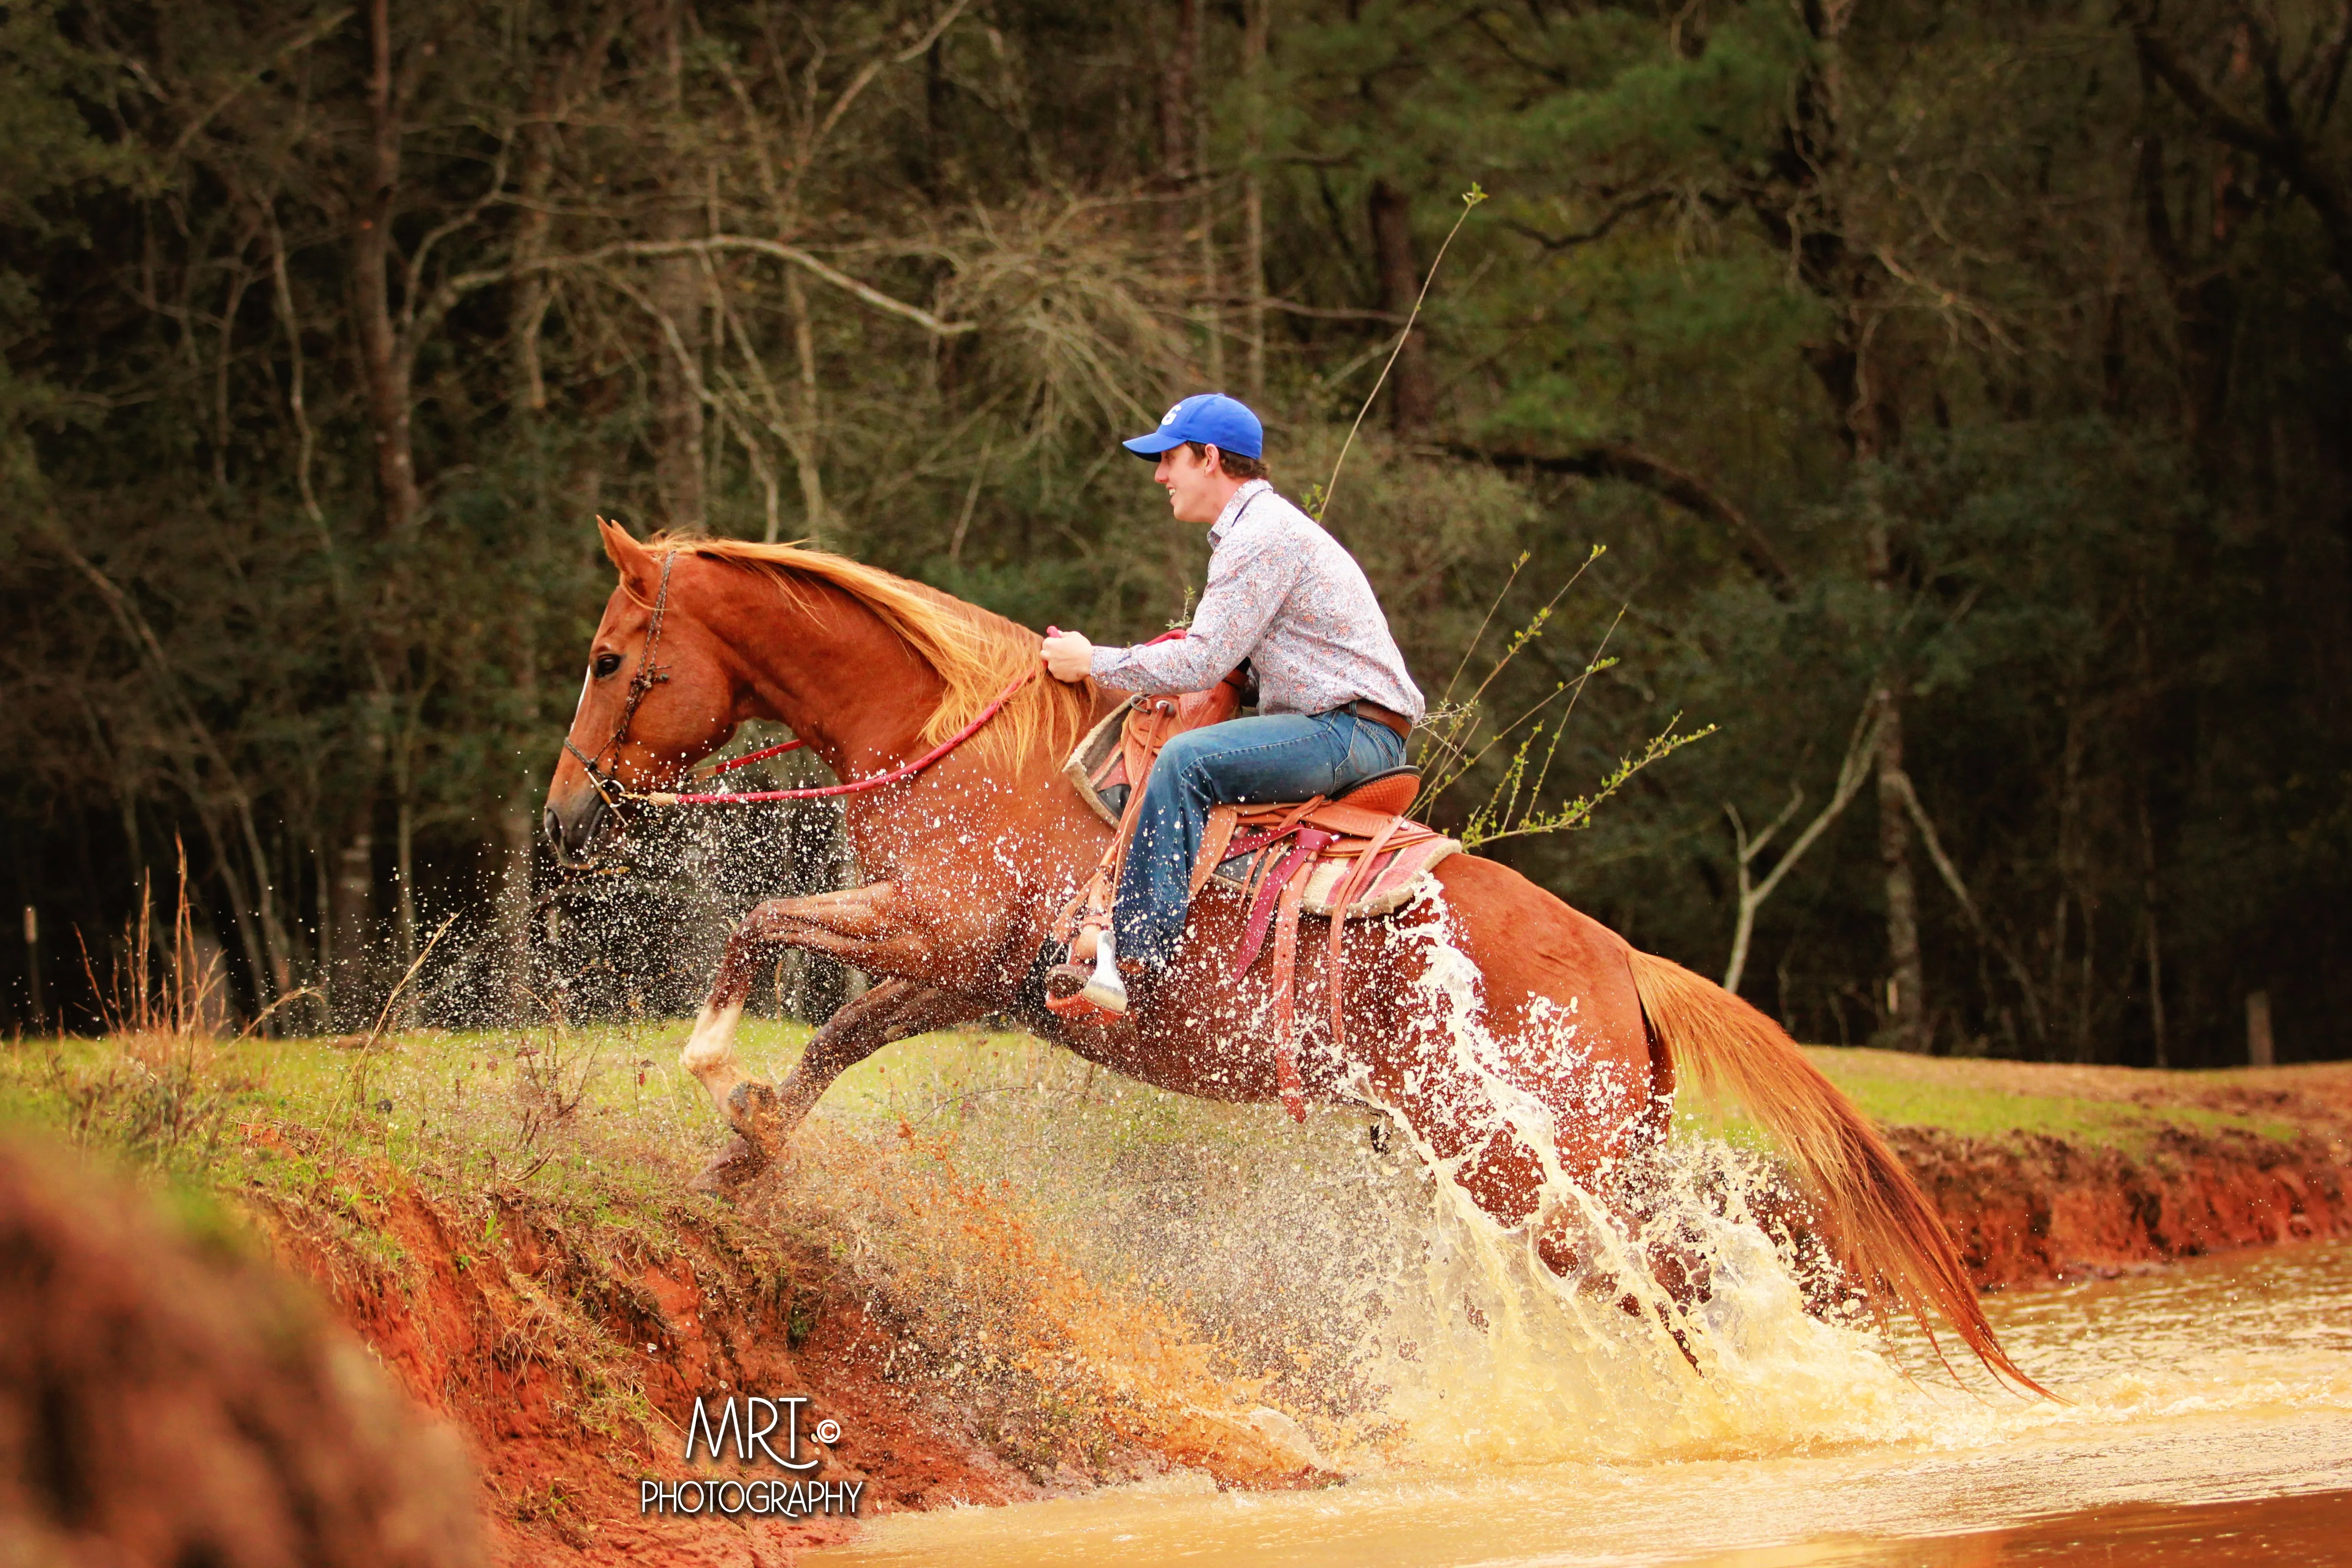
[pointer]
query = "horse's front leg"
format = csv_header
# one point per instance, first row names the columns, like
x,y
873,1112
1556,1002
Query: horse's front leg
x,y
763,1116
853,925
890,1011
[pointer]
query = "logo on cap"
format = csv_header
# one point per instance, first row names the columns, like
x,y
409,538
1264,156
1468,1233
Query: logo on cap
x,y
1170,417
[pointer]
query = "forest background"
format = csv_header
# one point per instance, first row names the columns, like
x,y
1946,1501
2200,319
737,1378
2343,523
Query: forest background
x,y
1960,390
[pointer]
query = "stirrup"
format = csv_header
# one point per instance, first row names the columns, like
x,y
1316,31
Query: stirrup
x,y
1071,992
1104,988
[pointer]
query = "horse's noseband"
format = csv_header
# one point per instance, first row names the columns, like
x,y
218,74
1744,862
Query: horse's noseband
x,y
647,676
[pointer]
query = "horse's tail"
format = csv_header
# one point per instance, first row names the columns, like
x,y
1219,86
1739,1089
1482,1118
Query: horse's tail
x,y
1879,1225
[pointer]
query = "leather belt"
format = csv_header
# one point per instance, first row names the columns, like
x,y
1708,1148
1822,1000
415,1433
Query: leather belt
x,y
1365,707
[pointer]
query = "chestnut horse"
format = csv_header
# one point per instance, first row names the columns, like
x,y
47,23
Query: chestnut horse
x,y
1517,1040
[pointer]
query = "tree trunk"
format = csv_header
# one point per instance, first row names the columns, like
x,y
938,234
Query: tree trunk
x,y
384,364
1176,116
1906,1011
1254,31
354,952
677,291
532,291
1213,285
517,844
40,1007
2205,303
517,829
1811,221
936,94
1871,427
516,840
1412,397
404,875
809,455
322,970
1906,999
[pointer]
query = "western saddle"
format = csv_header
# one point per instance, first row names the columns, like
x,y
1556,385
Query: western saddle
x,y
1356,857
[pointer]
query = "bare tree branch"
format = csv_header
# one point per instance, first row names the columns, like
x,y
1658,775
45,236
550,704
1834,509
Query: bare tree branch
x,y
467,282
1608,460
1861,751
1951,875
319,28
1599,231
2282,144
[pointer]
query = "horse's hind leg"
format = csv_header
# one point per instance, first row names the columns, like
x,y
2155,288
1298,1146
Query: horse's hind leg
x,y
1594,1113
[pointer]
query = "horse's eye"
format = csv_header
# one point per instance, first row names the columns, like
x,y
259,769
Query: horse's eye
x,y
606,663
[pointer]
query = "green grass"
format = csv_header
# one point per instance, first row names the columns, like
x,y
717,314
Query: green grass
x,y
601,1120
1909,1092
563,1115
583,1138
1969,1099
1981,1113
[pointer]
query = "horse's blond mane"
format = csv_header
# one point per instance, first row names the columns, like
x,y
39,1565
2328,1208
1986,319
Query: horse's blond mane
x,y
975,652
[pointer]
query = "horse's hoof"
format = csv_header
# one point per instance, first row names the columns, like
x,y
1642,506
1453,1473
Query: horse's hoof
x,y
753,1111
729,1169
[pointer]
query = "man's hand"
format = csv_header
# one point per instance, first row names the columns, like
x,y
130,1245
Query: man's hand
x,y
1068,654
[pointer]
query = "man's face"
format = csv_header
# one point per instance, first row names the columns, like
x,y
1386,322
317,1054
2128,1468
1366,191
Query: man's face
x,y
1197,486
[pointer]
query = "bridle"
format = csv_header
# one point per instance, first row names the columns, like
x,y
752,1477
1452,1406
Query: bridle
x,y
647,676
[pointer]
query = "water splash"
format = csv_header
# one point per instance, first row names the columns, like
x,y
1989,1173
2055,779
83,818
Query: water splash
x,y
1347,1282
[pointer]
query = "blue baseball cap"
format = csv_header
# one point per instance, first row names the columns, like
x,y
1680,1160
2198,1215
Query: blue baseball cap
x,y
1225,423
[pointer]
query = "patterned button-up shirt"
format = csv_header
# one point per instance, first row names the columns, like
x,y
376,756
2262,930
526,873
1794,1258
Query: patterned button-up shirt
x,y
1289,598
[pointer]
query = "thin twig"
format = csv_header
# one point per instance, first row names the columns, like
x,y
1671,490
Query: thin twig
x,y
263,1016
1480,636
390,1002
1470,198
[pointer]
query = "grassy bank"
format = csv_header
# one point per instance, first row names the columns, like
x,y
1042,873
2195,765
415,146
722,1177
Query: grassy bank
x,y
2093,1107
536,1182
601,1120
2039,1171
382,1171
1021,1271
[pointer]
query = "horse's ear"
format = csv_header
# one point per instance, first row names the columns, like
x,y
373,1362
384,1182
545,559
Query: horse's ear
x,y
635,562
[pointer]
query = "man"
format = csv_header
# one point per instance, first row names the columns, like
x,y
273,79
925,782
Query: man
x,y
1334,704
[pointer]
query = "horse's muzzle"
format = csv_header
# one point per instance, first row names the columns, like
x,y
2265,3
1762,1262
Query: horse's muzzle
x,y
574,826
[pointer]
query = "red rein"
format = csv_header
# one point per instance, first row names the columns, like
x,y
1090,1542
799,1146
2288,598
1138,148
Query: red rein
x,y
876,781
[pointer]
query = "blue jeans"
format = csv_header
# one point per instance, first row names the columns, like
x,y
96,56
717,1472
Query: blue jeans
x,y
1242,762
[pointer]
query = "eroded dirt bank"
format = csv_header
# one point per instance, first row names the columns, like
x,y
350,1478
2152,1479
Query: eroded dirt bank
x,y
2033,1208
570,1353
497,1316
2126,1169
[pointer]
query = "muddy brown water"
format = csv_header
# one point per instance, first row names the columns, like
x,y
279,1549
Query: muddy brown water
x,y
2208,1420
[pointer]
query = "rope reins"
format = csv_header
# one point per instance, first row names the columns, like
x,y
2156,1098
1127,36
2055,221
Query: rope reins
x,y
872,780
